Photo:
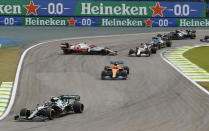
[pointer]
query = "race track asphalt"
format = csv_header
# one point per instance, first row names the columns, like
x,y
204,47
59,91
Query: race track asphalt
x,y
154,98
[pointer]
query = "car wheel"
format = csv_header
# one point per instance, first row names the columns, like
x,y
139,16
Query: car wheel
x,y
159,46
168,43
104,73
50,113
106,67
25,112
206,37
153,50
124,73
104,52
78,107
193,36
131,51
148,54
126,68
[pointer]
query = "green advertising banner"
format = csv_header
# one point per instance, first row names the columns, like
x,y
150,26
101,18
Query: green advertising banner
x,y
14,8
68,8
45,21
122,22
188,22
104,22
137,9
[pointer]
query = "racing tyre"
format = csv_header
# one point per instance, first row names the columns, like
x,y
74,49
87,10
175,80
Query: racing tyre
x,y
67,45
50,113
159,46
104,73
193,36
78,107
126,68
124,73
168,43
104,52
153,50
131,51
206,37
25,112
148,54
106,67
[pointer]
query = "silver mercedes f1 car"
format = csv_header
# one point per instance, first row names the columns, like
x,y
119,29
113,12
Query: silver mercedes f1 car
x,y
55,107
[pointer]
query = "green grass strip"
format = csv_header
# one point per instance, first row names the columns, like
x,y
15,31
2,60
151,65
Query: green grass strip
x,y
204,84
200,57
8,64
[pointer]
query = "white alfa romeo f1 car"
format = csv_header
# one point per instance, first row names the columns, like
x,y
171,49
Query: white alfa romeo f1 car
x,y
142,50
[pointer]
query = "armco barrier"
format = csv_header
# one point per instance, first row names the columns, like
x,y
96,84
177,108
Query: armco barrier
x,y
104,21
101,8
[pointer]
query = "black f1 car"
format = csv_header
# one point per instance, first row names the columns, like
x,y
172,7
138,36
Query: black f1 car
x,y
115,71
206,39
84,48
57,106
182,34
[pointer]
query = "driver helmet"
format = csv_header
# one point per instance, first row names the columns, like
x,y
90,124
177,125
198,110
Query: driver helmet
x,y
142,44
54,99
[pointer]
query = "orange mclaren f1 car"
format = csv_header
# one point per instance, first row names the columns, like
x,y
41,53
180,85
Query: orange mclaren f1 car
x,y
115,71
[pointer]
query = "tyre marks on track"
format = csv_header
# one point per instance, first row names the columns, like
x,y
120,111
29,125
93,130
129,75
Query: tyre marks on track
x,y
195,73
5,92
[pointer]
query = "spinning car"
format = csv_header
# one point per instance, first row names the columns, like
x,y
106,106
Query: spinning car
x,y
86,49
182,34
115,72
206,39
56,107
143,49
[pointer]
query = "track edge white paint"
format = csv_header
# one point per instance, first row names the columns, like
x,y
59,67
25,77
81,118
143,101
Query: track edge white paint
x,y
193,82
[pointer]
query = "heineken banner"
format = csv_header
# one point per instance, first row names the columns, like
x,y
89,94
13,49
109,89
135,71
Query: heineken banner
x,y
101,8
104,22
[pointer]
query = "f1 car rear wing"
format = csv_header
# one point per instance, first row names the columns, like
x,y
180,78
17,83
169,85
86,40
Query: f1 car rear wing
x,y
193,31
75,97
116,62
